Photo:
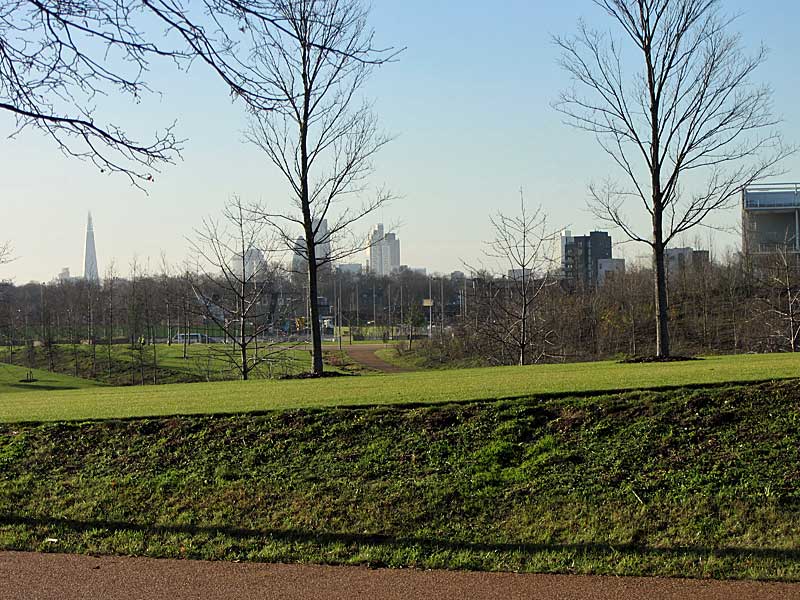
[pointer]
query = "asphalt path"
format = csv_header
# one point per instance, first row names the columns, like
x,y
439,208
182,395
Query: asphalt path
x,y
32,576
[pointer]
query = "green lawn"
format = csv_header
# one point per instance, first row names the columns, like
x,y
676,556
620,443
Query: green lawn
x,y
406,388
687,483
132,366
11,382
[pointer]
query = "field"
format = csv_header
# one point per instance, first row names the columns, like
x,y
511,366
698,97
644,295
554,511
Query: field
x,y
12,381
134,366
402,389
691,483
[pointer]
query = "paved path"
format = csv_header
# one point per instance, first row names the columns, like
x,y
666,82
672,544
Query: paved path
x,y
30,576
365,354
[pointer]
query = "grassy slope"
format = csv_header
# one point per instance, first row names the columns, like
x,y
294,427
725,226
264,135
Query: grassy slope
x,y
406,388
203,362
11,381
700,483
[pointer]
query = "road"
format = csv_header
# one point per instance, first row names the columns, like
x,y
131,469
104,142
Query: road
x,y
31,576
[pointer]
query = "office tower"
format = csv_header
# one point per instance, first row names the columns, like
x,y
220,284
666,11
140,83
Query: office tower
x,y
384,251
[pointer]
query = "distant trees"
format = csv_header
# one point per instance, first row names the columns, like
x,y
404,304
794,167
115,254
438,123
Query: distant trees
x,y
780,273
674,99
320,136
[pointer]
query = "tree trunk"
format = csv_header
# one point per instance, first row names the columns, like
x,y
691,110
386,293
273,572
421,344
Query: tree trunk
x,y
242,335
316,333
662,324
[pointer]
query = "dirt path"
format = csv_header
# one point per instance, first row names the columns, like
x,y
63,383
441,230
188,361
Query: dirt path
x,y
365,354
31,576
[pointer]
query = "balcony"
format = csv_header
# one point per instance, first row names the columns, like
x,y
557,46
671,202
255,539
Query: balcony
x,y
772,196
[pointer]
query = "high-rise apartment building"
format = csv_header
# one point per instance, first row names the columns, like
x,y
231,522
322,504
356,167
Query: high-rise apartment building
x,y
90,272
384,251
580,255
771,218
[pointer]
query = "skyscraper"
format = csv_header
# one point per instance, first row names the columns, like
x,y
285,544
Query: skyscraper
x,y
384,251
90,254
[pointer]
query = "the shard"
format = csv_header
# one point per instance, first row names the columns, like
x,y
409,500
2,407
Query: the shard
x,y
89,254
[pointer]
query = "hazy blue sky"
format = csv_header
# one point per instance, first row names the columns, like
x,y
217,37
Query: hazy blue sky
x,y
469,102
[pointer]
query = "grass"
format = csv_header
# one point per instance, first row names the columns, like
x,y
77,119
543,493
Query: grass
x,y
204,362
698,483
12,381
402,389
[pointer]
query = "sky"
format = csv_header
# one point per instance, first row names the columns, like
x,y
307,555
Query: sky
x,y
469,106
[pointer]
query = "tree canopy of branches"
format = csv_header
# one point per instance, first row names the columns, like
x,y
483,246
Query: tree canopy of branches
x,y
523,246
320,137
674,106
60,60
233,287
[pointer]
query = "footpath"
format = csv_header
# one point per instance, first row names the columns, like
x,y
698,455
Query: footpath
x,y
365,354
32,576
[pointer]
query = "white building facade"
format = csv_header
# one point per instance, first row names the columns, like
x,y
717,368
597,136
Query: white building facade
x,y
384,251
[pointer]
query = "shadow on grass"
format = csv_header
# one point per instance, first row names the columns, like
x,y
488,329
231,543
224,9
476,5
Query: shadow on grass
x,y
37,386
55,525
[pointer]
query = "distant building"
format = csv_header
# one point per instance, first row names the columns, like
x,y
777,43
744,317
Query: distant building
x,y
676,259
384,251
322,239
250,266
771,218
609,267
63,276
580,255
322,249
350,268
519,274
90,272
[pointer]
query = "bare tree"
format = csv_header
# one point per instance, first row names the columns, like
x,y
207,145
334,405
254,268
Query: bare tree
x,y
59,59
523,246
234,283
780,274
684,108
319,138
5,252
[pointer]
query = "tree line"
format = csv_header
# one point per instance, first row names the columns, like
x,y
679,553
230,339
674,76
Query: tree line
x,y
732,305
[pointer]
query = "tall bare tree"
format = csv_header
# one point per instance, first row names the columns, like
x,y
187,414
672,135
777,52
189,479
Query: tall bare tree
x,y
321,136
672,100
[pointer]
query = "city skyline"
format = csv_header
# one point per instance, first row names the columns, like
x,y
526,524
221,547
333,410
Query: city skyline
x,y
458,156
